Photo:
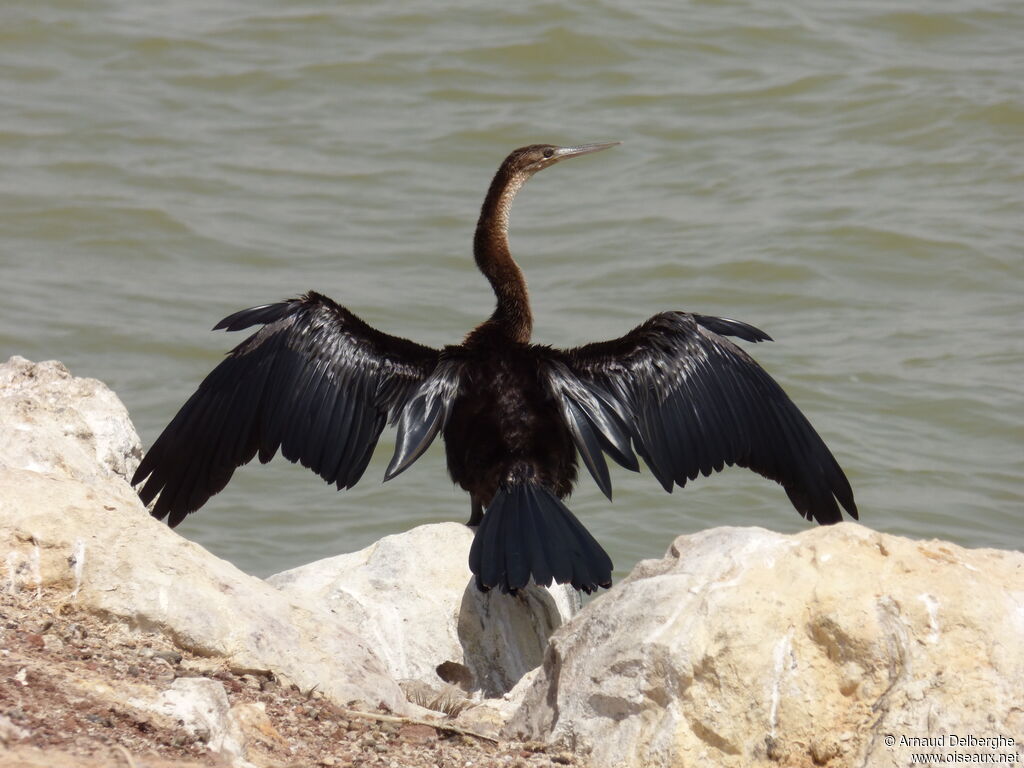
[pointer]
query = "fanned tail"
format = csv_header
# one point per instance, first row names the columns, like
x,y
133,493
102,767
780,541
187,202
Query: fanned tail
x,y
527,531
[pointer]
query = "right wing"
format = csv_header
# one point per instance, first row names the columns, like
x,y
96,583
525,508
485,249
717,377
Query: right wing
x,y
315,381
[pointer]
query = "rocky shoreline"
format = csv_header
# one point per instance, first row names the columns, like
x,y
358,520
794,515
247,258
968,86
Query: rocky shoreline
x,y
81,691
121,643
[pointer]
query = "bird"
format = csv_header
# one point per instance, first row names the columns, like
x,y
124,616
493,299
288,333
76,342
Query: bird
x,y
319,384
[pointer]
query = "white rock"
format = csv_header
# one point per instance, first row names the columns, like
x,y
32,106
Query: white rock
x,y
10,733
412,597
749,648
201,706
73,524
59,425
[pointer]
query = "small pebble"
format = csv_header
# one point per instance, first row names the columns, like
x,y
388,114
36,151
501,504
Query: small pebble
x,y
76,632
100,720
416,733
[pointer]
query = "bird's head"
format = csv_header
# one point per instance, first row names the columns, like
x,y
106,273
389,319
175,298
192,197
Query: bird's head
x,y
526,161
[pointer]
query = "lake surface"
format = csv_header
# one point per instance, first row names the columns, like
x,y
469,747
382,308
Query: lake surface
x,y
847,177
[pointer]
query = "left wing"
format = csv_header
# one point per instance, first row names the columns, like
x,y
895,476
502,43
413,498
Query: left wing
x,y
692,402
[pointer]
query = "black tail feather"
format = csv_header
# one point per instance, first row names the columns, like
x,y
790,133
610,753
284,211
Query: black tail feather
x,y
527,531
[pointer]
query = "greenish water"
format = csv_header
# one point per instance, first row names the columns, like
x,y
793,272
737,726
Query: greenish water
x,y
848,177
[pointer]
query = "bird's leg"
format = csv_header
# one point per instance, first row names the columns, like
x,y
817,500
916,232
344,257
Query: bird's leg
x,y
476,515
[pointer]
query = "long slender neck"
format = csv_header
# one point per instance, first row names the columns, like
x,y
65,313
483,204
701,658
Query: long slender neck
x,y
512,317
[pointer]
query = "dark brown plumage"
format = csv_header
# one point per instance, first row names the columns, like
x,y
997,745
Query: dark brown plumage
x,y
319,384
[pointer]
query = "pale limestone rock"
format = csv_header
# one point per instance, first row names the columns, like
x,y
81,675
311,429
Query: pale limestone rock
x,y
255,725
59,425
413,598
82,529
490,715
10,733
202,708
744,647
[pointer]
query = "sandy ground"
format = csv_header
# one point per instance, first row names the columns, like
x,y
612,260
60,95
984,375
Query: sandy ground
x,y
70,687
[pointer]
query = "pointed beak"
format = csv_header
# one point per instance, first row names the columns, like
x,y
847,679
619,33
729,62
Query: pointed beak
x,y
583,149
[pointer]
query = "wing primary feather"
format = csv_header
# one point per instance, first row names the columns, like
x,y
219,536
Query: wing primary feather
x,y
337,433
170,477
691,447
730,394
376,425
280,390
245,403
417,427
321,407
708,411
353,435
660,474
295,425
653,448
341,427
424,415
727,327
262,315
608,417
670,437
588,445
596,420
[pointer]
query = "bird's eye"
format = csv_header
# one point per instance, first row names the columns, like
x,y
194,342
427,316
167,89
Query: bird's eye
x,y
549,152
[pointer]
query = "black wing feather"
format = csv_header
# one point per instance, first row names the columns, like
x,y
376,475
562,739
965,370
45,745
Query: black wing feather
x,y
424,415
596,420
723,326
697,402
315,382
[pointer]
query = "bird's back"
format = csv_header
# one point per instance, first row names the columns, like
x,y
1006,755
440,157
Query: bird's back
x,y
505,421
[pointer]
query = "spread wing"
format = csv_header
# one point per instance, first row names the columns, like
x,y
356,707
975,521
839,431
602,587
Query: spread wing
x,y
693,402
315,381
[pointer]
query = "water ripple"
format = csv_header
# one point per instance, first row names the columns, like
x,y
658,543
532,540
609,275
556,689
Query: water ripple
x,y
848,177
